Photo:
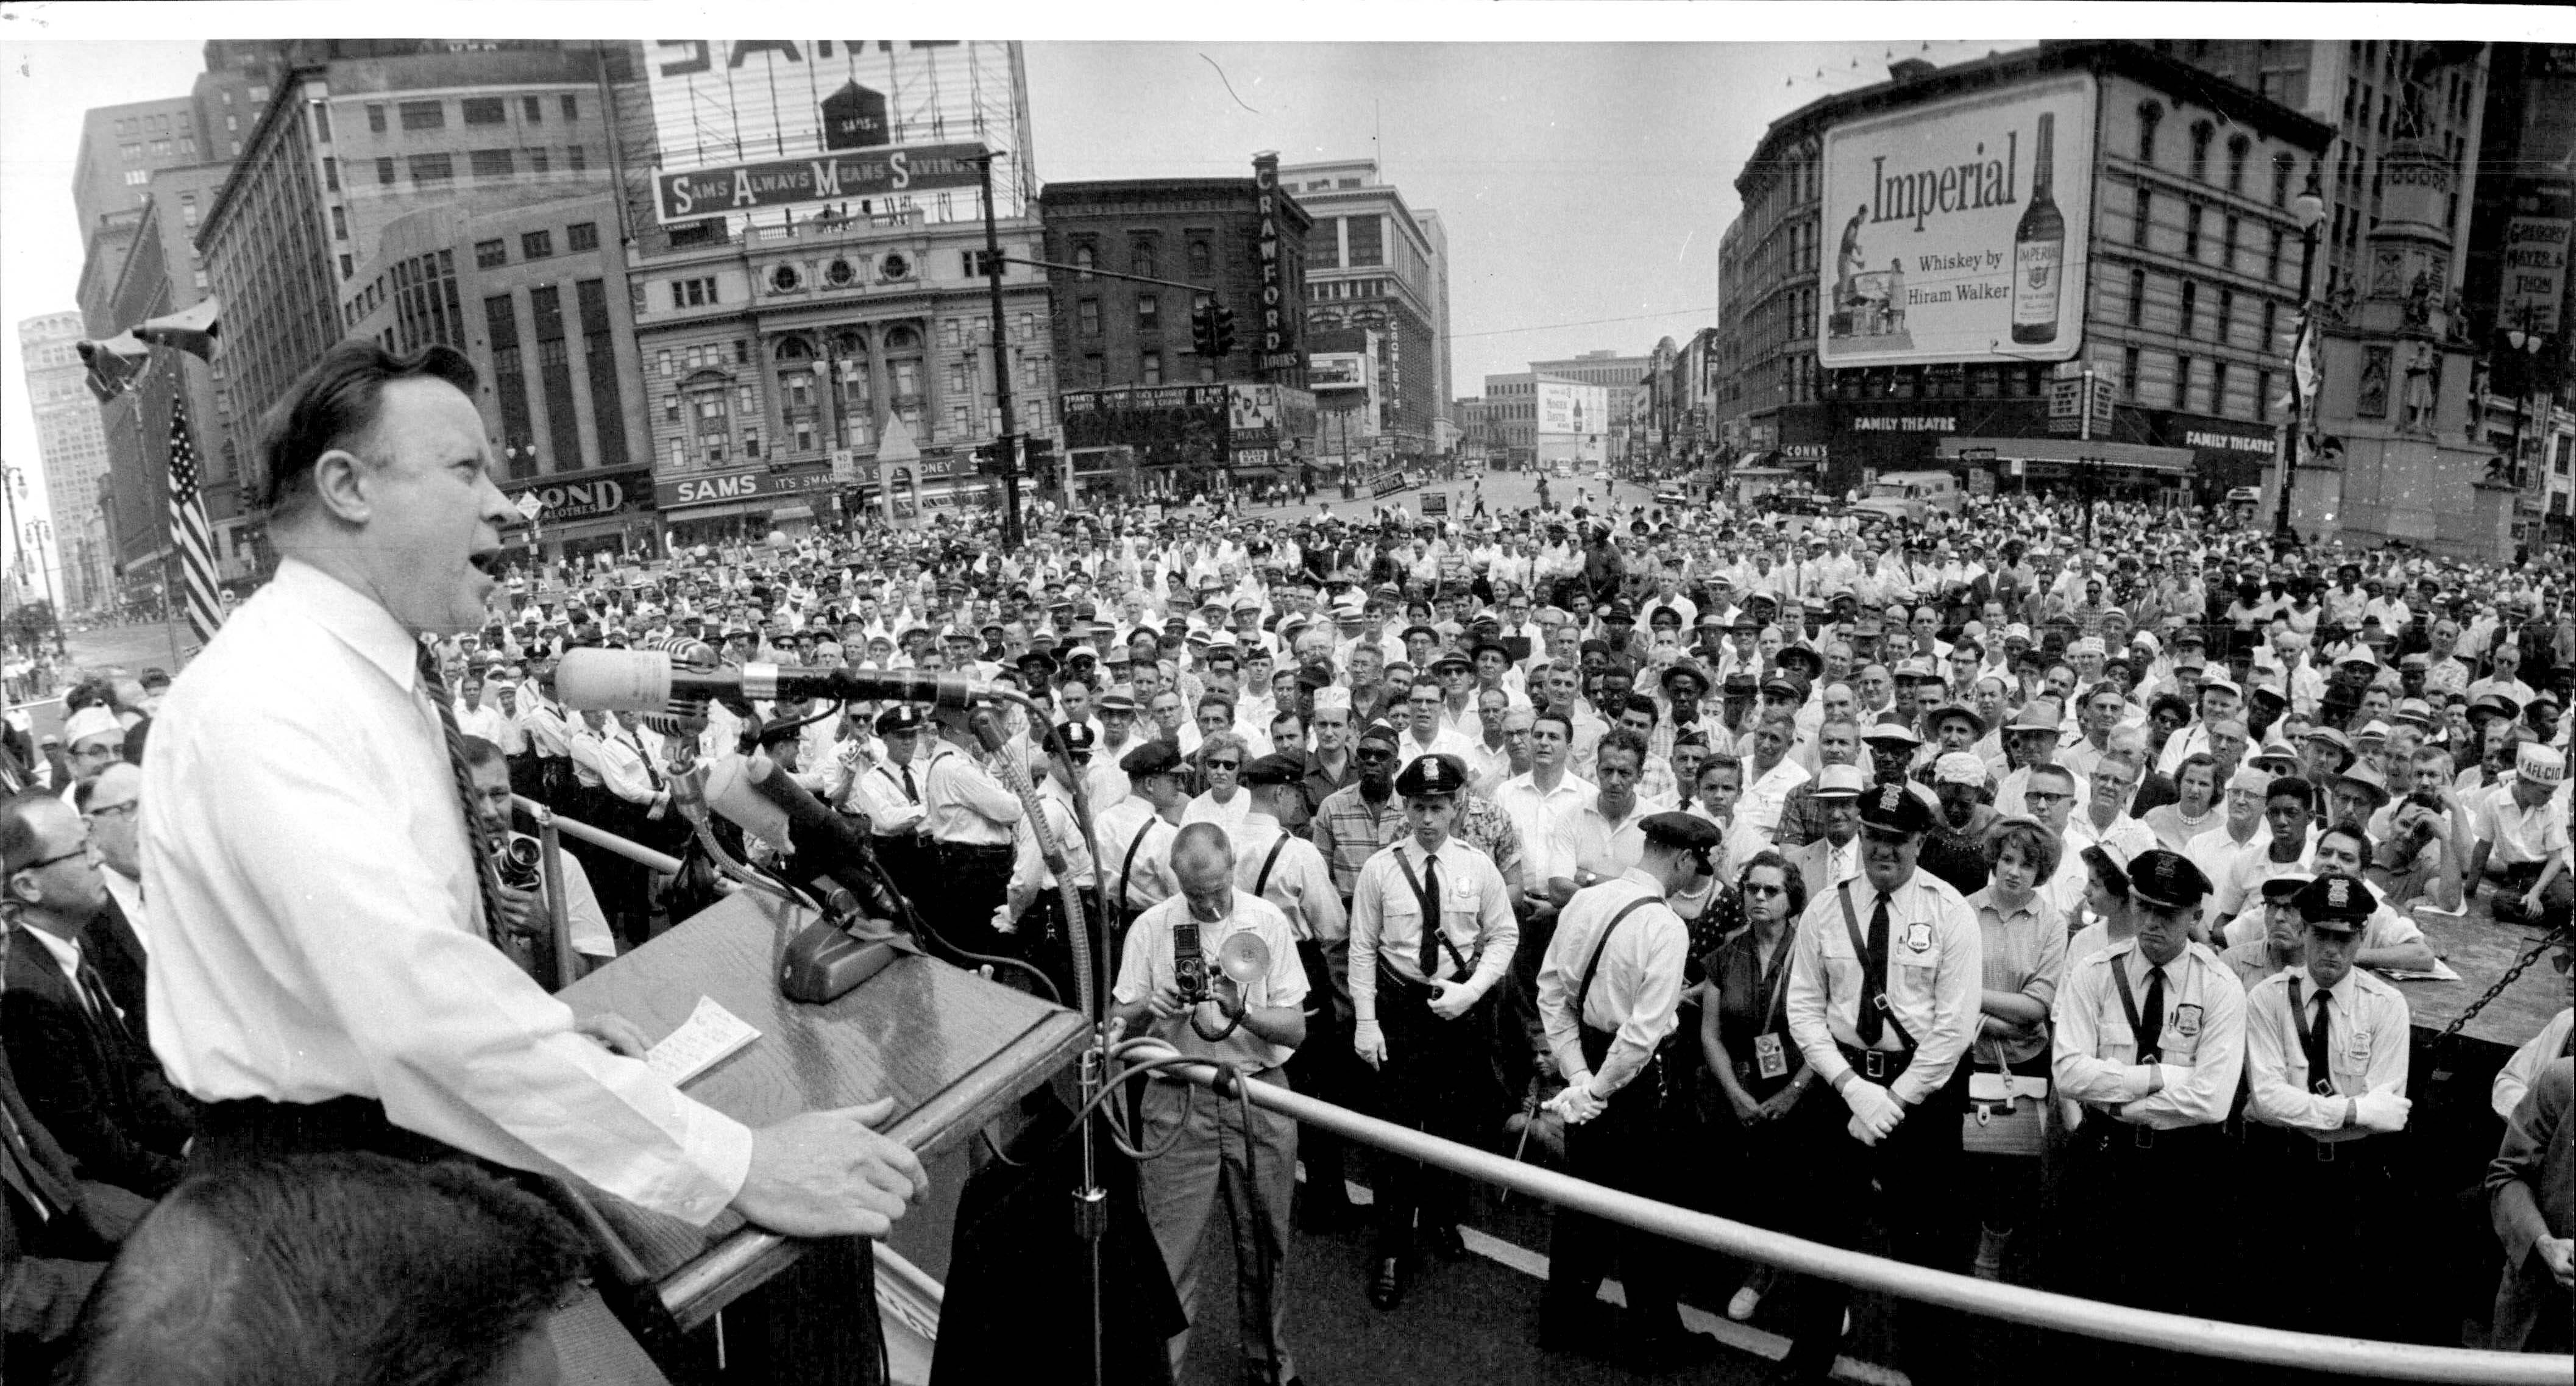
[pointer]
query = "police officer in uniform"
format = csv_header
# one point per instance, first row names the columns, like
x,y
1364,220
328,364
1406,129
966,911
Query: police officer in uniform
x,y
1135,835
889,789
2325,1069
1432,933
1609,997
2150,1042
970,816
1277,865
1884,985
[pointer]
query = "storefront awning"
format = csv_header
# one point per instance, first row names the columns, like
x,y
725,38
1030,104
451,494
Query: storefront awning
x,y
2073,452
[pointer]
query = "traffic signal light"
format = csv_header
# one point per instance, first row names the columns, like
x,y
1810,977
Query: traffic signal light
x,y
1203,326
1221,327
1039,453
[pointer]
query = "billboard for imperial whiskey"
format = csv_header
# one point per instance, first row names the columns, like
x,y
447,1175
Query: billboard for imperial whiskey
x,y
1957,230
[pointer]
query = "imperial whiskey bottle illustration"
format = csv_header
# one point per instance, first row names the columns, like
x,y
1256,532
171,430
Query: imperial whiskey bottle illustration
x,y
2039,247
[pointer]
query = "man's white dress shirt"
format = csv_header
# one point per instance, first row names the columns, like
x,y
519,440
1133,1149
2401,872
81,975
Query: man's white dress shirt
x,y
317,848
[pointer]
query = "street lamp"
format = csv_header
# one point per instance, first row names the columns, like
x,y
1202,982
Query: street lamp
x,y
2310,208
2522,339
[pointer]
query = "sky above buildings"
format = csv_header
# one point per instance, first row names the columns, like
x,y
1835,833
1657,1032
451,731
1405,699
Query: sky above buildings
x,y
1582,156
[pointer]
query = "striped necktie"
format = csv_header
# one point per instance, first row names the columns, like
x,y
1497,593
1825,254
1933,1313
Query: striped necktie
x,y
487,873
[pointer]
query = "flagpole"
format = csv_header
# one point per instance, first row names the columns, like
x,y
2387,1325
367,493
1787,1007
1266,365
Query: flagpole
x,y
170,542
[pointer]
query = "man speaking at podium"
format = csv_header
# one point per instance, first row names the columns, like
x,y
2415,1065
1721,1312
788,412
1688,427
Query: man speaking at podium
x,y
326,976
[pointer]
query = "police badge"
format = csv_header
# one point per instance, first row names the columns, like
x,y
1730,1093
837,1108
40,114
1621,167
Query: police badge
x,y
1918,937
2186,1022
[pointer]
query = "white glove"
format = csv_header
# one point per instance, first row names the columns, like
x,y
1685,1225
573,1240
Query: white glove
x,y
1577,1104
1875,1110
1003,923
1369,1042
1450,1000
2381,1110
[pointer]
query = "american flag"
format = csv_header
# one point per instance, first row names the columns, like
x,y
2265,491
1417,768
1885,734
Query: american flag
x,y
189,532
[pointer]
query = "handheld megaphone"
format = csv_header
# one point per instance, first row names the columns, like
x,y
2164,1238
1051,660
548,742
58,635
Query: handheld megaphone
x,y
1244,957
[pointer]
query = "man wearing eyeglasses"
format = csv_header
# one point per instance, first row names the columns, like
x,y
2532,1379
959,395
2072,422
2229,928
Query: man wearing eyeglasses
x,y
109,800
86,1072
1427,729
97,741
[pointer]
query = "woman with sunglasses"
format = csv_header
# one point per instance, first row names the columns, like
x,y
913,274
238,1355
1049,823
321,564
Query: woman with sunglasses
x,y
1744,1036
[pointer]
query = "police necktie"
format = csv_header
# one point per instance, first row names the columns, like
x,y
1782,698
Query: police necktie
x,y
2151,1019
910,790
2320,1072
487,875
1873,979
1430,957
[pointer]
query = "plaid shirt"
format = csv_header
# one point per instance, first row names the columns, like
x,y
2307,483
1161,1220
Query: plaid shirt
x,y
1349,831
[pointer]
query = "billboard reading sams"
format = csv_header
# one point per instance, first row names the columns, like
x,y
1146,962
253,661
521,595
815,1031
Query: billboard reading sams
x,y
1963,229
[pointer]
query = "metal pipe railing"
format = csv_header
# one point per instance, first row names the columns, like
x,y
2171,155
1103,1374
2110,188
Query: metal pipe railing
x,y
1991,1299
602,839
558,919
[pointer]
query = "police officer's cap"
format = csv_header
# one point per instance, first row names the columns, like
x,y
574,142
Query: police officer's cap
x,y
1682,831
1155,757
1079,738
1441,775
1273,769
1892,808
897,719
2167,880
2335,902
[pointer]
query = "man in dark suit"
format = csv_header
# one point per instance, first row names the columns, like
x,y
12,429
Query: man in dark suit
x,y
56,1237
1834,857
111,801
89,1077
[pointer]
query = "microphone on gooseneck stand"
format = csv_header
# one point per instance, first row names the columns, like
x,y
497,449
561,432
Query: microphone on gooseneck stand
x,y
650,680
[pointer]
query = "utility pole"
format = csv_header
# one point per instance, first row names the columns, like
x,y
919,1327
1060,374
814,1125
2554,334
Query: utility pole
x,y
1009,437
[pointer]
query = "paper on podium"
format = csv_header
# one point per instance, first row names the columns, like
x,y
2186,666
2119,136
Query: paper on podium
x,y
711,1035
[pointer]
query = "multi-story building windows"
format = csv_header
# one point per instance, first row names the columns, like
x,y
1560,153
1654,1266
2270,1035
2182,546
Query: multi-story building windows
x,y
2143,217
2137,297
2129,362
375,117
432,168
491,163
2182,383
536,245
1149,367
424,115
510,385
2191,233
1086,318
484,110
2190,307
1148,313
581,236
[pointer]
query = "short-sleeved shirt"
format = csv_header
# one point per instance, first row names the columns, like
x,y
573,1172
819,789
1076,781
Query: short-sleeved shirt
x,y
1146,964
2025,952
2201,1050
2366,1038
2521,836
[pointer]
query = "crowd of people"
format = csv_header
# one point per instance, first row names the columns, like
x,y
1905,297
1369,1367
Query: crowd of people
x,y
1929,819
1922,878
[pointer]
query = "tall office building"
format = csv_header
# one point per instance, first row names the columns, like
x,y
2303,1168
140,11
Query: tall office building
x,y
142,178
1375,265
72,447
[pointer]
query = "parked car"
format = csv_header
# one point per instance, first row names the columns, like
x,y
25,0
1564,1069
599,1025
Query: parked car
x,y
1913,496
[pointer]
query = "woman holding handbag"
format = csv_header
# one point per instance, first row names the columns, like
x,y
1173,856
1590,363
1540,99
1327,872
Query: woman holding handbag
x,y
1744,1035
2025,953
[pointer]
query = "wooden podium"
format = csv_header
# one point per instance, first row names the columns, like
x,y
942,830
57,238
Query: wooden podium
x,y
951,1048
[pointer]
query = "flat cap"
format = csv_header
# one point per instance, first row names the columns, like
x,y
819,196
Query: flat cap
x,y
1682,830
1155,757
1273,769
2335,902
1893,807
1438,774
2167,879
